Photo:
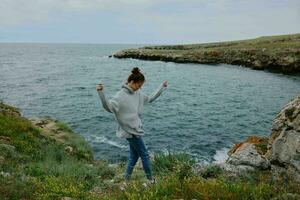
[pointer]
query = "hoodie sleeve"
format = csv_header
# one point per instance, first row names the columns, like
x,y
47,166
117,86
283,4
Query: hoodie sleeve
x,y
109,105
154,95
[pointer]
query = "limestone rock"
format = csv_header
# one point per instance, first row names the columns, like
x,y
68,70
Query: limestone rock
x,y
248,154
97,190
284,143
69,149
235,170
5,174
9,110
5,139
66,198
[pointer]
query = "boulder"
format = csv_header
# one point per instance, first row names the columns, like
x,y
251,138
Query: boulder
x,y
5,139
249,153
284,142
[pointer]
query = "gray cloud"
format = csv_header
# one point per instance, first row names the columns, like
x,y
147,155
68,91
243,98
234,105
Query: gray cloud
x,y
173,21
15,12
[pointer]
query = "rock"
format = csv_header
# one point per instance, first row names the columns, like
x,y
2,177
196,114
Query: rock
x,y
5,139
287,196
257,64
50,129
5,174
66,198
248,154
284,142
69,149
235,170
9,110
96,191
40,122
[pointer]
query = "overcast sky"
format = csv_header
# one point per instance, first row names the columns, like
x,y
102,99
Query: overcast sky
x,y
145,21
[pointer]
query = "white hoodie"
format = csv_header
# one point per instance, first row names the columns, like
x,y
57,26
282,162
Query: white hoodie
x,y
127,105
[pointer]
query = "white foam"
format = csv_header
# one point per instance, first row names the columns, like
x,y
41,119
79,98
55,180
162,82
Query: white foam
x,y
103,139
221,155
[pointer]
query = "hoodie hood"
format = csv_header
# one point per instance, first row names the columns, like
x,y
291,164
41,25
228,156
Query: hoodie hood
x,y
128,88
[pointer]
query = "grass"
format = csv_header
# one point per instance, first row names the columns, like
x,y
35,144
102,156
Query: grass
x,y
39,167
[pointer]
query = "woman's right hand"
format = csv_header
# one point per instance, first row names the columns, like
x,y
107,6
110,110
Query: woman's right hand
x,y
100,87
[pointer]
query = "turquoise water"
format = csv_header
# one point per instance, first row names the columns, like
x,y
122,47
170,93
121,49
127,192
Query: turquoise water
x,y
206,109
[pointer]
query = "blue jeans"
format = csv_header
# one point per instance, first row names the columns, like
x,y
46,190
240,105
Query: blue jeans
x,y
138,149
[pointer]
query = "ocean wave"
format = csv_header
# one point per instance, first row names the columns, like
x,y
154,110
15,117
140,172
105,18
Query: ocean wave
x,y
103,139
221,155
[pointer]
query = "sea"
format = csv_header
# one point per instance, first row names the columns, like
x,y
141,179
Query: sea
x,y
203,113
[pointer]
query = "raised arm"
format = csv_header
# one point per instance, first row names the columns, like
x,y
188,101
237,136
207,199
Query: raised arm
x,y
156,94
108,105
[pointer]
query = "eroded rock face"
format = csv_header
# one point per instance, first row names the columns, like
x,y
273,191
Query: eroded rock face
x,y
284,143
280,152
249,153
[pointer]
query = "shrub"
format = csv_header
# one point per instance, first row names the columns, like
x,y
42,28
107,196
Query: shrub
x,y
14,188
180,164
211,172
57,187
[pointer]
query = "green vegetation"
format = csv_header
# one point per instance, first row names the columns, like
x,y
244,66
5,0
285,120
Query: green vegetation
x,y
262,145
289,113
36,165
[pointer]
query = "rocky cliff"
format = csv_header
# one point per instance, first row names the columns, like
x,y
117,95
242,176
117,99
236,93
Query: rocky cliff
x,y
274,53
280,152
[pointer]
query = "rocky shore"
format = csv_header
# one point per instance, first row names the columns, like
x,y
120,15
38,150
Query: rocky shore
x,y
43,158
279,153
273,53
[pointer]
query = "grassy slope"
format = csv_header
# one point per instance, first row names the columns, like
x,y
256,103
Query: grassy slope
x,y
280,53
34,165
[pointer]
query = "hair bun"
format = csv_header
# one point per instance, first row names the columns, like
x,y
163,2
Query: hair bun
x,y
135,70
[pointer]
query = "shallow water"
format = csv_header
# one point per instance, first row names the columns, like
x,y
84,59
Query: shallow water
x,y
206,109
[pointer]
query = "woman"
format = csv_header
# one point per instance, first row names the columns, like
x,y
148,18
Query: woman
x,y
127,106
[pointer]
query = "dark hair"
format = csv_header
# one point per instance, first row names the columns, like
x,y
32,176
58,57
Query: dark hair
x,y
136,76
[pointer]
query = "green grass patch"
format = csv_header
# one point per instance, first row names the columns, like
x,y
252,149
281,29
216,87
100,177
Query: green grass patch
x,y
180,164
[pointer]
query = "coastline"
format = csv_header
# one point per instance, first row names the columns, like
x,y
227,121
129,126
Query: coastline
x,y
272,53
43,158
